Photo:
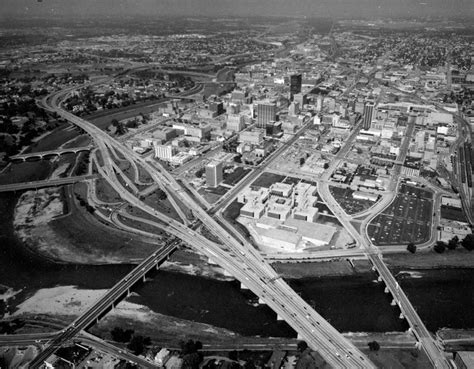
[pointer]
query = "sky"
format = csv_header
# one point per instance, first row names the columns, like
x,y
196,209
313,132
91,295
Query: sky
x,y
316,8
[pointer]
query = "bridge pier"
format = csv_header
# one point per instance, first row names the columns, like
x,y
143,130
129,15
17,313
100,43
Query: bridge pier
x,y
393,303
401,316
128,292
279,318
260,301
379,278
386,290
374,268
210,261
144,278
243,286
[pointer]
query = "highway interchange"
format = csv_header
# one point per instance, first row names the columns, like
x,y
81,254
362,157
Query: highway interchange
x,y
236,256
241,260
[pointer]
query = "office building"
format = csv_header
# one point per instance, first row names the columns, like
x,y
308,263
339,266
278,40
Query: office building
x,y
301,99
213,174
216,107
164,152
235,122
368,114
266,112
273,129
295,83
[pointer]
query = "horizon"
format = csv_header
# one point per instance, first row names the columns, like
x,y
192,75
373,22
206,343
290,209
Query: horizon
x,y
371,9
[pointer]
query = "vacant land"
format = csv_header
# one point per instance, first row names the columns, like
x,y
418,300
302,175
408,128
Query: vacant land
x,y
407,219
452,213
233,178
267,179
55,139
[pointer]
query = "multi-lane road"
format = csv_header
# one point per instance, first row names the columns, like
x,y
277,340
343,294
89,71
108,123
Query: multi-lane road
x,y
241,260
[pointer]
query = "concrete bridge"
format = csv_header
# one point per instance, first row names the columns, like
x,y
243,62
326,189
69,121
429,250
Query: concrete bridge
x,y
108,301
408,312
44,183
58,152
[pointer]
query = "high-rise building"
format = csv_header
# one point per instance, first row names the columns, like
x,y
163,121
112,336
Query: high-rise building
x,y
301,99
213,174
295,83
266,112
294,109
164,152
368,114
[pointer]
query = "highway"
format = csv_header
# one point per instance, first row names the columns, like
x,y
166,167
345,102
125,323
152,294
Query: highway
x,y
44,183
108,300
242,261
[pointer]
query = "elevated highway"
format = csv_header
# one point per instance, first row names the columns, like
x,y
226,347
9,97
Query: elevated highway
x,y
44,183
240,260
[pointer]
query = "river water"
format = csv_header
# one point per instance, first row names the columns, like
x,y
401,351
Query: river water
x,y
443,298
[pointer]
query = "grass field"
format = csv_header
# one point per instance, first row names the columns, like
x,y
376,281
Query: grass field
x,y
86,235
452,213
163,206
79,141
267,179
105,192
55,139
407,219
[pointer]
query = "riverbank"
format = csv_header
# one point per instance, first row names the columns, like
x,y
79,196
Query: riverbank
x,y
450,259
63,304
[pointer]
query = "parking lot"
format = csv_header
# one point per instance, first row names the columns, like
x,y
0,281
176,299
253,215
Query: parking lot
x,y
350,205
407,219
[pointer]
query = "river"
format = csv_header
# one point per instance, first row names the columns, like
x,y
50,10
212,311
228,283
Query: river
x,y
443,298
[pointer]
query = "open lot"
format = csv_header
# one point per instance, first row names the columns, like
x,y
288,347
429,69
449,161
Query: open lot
x,y
407,219
233,178
452,213
350,205
267,179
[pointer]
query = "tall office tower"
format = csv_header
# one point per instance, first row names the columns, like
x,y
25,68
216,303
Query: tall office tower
x,y
213,174
319,103
368,114
266,112
295,83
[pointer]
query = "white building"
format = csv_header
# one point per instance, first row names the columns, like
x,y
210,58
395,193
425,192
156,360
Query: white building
x,y
164,152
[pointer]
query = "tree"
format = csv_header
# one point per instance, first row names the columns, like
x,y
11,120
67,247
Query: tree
x,y
411,247
453,243
137,344
374,346
120,335
468,242
439,247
